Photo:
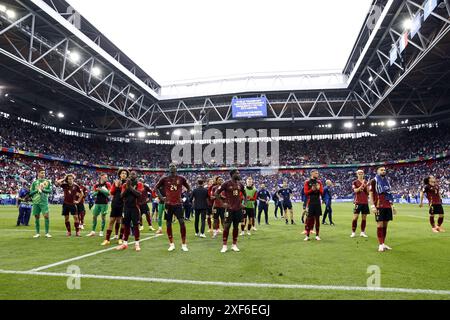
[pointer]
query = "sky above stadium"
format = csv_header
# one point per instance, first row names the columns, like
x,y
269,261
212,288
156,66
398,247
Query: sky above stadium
x,y
181,40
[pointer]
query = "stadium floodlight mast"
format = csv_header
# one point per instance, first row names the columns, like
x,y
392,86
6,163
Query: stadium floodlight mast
x,y
141,134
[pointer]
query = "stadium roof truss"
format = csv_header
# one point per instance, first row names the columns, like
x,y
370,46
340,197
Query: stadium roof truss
x,y
46,34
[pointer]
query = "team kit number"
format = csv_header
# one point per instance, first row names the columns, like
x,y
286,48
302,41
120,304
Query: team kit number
x,y
173,187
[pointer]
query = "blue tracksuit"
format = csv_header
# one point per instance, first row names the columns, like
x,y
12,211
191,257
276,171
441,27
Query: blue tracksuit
x,y
263,206
24,207
327,196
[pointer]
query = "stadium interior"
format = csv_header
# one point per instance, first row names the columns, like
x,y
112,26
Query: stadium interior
x,y
71,101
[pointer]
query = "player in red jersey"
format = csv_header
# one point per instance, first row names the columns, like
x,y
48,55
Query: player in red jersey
x,y
313,190
382,206
131,192
143,206
116,215
81,210
361,201
431,190
172,188
218,208
71,189
209,213
232,190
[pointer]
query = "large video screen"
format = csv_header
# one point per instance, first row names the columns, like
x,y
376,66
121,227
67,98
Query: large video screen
x,y
247,108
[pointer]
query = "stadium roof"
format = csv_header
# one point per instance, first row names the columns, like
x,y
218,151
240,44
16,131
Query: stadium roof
x,y
39,46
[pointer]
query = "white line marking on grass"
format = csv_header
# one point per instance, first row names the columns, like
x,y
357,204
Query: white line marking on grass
x,y
86,255
233,284
417,217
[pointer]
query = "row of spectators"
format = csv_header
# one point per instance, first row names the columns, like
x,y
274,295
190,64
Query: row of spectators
x,y
406,180
396,145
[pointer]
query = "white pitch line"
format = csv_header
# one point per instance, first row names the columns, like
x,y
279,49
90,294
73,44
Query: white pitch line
x,y
86,255
232,284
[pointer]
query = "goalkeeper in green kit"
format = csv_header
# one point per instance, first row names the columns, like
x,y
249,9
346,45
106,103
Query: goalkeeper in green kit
x,y
39,192
101,194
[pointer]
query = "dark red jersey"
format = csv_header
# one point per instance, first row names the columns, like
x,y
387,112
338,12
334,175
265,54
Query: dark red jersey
x,y
80,197
218,203
210,196
130,198
70,193
433,194
380,200
232,191
145,195
117,200
361,197
313,196
172,188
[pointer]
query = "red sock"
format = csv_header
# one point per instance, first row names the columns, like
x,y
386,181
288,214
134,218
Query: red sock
x,y
384,233
82,214
183,233
169,233
235,235
122,231
380,235
108,234
216,224
309,225
433,224
440,221
354,225
243,225
226,231
126,233
363,225
209,222
77,226
317,225
68,226
116,228
149,219
136,233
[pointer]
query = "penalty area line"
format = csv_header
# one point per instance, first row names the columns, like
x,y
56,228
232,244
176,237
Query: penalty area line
x,y
86,255
232,284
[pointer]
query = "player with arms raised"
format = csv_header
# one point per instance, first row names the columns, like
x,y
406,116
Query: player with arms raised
x,y
361,201
431,190
314,191
232,190
169,190
71,190
116,216
382,206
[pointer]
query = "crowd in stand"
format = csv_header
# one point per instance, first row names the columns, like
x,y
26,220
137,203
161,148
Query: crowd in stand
x,y
406,179
397,145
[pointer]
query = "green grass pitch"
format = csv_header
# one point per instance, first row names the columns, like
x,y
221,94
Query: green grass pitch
x,y
274,254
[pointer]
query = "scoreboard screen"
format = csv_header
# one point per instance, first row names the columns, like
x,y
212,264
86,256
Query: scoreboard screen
x,y
248,108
